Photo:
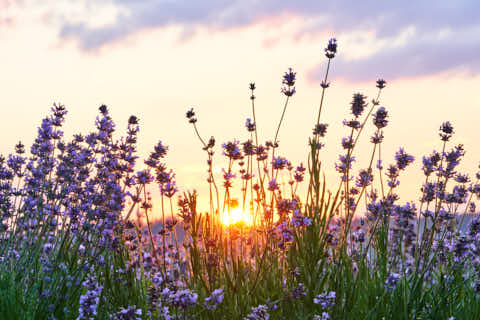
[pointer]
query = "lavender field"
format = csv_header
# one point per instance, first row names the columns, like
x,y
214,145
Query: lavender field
x,y
81,236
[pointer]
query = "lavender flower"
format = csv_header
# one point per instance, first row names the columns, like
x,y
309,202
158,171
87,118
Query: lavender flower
x,y
191,116
377,137
358,104
381,83
364,178
130,313
273,185
347,143
298,291
331,48
288,80
320,129
184,298
231,150
446,131
326,300
214,299
380,118
391,282
299,173
89,301
403,159
344,164
288,91
250,125
324,316
258,313
299,220
279,163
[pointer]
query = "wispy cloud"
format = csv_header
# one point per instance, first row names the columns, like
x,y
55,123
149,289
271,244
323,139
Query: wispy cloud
x,y
386,18
445,33
421,54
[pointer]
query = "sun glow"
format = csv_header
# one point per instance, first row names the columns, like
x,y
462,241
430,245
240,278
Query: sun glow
x,y
237,216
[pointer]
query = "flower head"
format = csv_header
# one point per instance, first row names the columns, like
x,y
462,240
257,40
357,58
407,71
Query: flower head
x,y
191,116
320,129
250,125
446,131
381,83
331,48
358,104
403,159
289,78
380,118
214,299
288,81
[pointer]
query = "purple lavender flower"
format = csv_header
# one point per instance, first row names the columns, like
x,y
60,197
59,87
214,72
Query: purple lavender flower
x,y
286,232
380,118
273,185
391,282
258,313
324,316
285,206
298,292
364,178
130,313
288,91
19,148
184,298
344,164
144,177
298,220
354,124
250,125
288,80
452,159
377,137
358,104
446,131
462,178
299,173
169,189
381,83
331,48
403,159
347,143
428,192
248,148
326,300
89,301
320,129
279,163
231,150
191,116
214,299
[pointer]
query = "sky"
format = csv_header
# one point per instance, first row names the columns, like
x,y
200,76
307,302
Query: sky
x,y
158,58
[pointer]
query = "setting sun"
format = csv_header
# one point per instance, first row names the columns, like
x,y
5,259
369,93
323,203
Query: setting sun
x,y
237,216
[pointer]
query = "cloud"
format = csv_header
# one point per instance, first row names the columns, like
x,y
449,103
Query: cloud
x,y
386,17
425,53
420,55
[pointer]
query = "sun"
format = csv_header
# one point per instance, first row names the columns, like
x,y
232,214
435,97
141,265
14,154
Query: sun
x,y
237,216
